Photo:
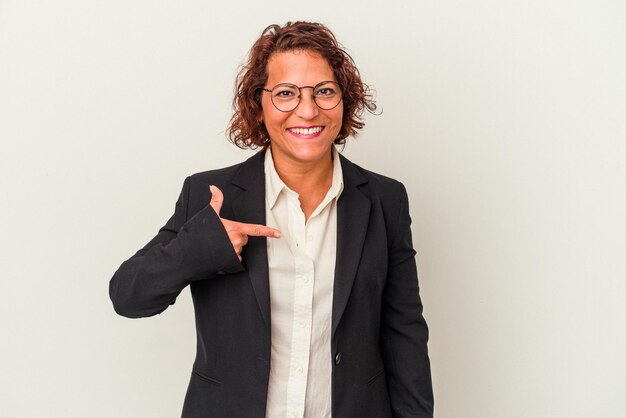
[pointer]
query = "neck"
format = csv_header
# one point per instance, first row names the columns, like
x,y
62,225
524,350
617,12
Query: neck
x,y
306,178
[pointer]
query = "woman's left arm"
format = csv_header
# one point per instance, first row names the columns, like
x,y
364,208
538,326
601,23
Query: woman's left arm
x,y
404,333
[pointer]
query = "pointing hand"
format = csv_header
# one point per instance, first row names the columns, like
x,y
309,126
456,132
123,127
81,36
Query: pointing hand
x,y
238,232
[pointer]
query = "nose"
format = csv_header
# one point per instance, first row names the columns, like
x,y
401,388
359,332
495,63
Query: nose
x,y
307,108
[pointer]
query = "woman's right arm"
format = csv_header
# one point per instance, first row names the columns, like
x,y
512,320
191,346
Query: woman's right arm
x,y
184,250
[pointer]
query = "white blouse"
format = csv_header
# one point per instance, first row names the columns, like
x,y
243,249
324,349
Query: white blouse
x,y
301,275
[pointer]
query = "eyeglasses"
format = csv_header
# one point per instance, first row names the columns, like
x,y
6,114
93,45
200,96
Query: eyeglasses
x,y
286,97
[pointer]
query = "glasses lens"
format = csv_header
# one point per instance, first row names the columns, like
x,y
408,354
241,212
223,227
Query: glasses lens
x,y
285,97
327,95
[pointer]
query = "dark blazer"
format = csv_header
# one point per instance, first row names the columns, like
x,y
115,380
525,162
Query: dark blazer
x,y
381,366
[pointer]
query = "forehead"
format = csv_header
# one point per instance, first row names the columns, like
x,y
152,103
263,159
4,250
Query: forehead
x,y
298,67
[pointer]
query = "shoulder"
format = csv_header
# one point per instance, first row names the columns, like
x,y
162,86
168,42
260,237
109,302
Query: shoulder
x,y
388,197
378,186
231,180
215,176
223,177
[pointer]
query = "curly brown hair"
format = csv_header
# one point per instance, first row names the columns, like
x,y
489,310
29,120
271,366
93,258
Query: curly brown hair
x,y
244,129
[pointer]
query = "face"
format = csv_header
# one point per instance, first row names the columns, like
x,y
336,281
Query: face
x,y
305,135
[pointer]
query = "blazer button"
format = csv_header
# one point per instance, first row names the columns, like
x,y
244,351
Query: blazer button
x,y
338,359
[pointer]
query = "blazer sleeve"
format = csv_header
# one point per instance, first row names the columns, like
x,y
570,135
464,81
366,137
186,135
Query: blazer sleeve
x,y
184,250
404,333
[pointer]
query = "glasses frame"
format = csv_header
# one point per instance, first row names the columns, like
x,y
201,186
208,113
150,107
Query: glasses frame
x,y
300,95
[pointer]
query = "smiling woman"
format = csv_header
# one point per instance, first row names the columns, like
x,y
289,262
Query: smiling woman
x,y
303,136
324,318
297,37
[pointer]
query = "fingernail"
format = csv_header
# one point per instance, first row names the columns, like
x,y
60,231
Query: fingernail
x,y
277,234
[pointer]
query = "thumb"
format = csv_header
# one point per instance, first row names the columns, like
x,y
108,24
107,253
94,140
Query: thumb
x,y
217,198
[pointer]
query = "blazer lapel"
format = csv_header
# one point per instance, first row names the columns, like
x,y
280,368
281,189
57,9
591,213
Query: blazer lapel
x,y
249,207
353,210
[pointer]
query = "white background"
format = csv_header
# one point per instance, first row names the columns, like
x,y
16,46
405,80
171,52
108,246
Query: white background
x,y
505,120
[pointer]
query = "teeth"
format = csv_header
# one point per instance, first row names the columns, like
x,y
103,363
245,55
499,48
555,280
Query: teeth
x,y
309,131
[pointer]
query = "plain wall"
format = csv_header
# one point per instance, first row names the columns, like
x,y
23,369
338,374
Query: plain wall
x,y
504,119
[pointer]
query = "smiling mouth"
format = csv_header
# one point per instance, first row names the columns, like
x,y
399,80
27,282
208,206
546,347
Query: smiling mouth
x,y
306,131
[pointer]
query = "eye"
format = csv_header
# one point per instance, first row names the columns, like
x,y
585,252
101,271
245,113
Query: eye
x,y
325,91
285,92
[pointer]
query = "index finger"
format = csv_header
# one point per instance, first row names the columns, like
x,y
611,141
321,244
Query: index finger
x,y
255,230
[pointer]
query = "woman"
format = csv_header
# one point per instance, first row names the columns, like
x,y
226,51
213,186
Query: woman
x,y
300,263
